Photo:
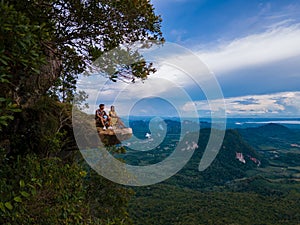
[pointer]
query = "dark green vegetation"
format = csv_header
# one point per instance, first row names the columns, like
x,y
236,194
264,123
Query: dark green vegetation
x,y
229,191
48,190
280,145
164,204
44,45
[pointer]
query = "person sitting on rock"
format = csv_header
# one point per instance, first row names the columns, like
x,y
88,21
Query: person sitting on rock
x,y
102,119
115,120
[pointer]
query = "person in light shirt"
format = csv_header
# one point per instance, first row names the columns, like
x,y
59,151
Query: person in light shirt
x,y
115,119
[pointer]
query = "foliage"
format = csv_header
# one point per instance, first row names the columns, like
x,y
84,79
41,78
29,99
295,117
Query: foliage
x,y
165,204
42,192
107,199
123,63
21,56
49,191
44,129
47,44
275,136
78,32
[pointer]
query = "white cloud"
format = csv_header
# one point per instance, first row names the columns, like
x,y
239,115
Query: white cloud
x,y
169,84
276,44
276,105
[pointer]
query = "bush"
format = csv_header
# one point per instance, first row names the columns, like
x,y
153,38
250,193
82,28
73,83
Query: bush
x,y
49,191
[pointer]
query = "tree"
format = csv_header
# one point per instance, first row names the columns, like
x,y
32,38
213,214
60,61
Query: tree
x,y
46,44
21,56
69,35
43,46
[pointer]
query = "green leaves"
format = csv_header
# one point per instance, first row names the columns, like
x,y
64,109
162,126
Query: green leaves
x,y
90,29
5,206
2,207
22,183
25,194
7,108
17,199
8,205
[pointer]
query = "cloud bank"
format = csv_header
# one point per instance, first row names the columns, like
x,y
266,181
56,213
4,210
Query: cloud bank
x,y
284,104
276,44
232,62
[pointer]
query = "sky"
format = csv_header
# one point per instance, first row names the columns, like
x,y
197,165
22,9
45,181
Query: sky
x,y
251,47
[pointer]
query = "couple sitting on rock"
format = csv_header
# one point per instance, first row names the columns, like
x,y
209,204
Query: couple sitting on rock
x,y
107,121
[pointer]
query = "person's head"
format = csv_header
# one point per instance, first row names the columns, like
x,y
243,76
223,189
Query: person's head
x,y
101,106
112,108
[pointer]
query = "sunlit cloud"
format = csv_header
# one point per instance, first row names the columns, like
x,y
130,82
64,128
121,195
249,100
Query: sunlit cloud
x,y
272,47
269,105
168,84
276,44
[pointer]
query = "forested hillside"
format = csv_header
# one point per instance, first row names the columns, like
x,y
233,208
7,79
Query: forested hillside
x,y
164,204
251,187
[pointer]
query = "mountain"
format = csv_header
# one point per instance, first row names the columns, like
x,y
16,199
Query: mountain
x,y
270,136
241,186
244,153
225,167
233,160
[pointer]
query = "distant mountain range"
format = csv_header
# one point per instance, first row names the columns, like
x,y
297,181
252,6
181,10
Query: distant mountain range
x,y
242,150
272,135
233,160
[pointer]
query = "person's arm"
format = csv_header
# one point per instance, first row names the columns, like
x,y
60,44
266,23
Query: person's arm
x,y
108,116
116,115
98,114
113,114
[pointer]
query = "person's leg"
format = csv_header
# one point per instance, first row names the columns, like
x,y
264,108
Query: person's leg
x,y
103,123
108,122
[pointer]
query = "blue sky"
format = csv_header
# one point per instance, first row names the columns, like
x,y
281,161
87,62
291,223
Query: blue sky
x,y
252,48
203,22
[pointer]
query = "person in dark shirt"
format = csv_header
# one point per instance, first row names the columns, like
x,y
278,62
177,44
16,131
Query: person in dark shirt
x,y
102,119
